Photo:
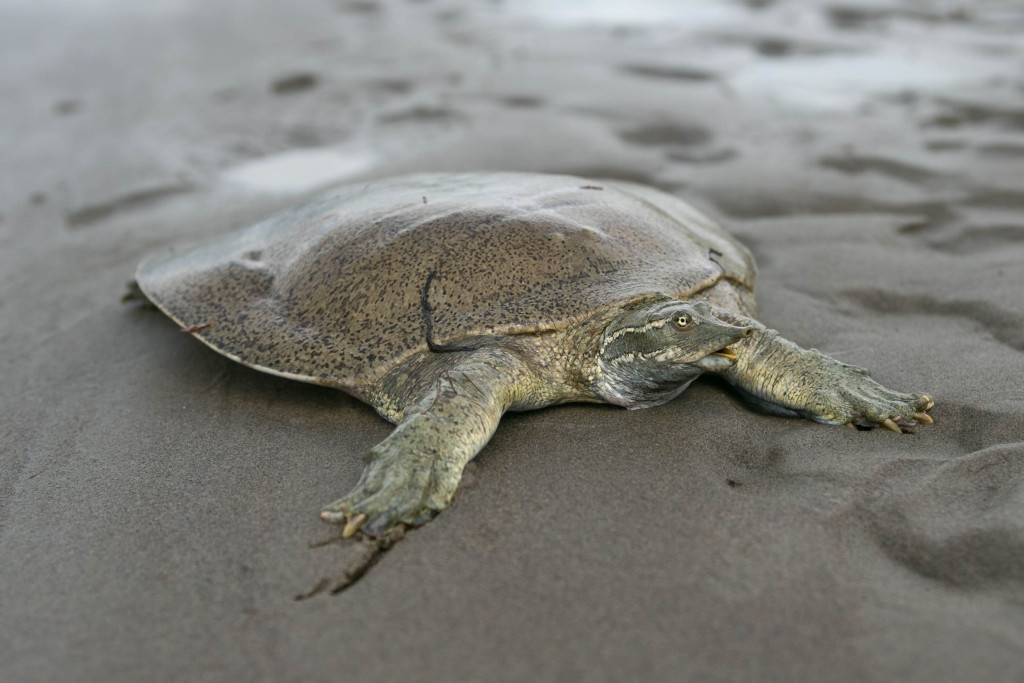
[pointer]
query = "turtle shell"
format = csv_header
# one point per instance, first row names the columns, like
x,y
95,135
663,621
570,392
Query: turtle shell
x,y
332,291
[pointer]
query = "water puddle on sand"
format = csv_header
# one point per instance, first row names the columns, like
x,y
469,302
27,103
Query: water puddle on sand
x,y
637,13
300,170
840,82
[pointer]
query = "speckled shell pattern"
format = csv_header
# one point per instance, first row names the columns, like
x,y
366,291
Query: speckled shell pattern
x,y
330,291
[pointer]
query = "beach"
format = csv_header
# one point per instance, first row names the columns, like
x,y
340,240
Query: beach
x,y
159,503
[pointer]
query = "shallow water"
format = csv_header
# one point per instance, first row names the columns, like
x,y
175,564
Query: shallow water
x,y
300,170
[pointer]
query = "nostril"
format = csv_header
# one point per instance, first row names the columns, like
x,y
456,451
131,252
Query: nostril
x,y
748,331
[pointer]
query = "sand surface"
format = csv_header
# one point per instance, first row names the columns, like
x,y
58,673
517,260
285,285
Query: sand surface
x,y
158,503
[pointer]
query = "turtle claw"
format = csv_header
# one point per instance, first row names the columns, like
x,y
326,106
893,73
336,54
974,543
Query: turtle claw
x,y
332,517
891,426
338,514
856,400
396,489
353,524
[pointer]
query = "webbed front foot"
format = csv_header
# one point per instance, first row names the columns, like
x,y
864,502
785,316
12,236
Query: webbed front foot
x,y
846,394
858,401
806,381
413,474
395,488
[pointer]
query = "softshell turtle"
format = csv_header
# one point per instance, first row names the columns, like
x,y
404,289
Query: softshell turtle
x,y
445,300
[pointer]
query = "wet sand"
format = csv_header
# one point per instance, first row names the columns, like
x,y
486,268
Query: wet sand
x,y
158,503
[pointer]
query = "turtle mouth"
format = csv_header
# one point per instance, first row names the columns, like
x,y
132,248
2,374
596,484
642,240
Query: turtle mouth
x,y
729,353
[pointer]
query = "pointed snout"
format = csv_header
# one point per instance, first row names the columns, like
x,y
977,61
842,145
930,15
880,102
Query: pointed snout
x,y
736,333
708,318
720,337
729,335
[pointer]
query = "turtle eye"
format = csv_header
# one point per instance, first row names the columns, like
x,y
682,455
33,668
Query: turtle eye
x,y
682,320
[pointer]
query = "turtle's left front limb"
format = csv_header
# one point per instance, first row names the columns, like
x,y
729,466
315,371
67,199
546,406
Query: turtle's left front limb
x,y
778,372
412,475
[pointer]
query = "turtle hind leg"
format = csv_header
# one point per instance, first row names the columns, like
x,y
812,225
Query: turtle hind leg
x,y
413,474
134,294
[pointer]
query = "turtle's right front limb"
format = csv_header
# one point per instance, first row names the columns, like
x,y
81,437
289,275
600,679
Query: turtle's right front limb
x,y
776,371
412,475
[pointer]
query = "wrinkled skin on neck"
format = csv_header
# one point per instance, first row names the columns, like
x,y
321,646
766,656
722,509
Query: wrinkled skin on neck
x,y
650,352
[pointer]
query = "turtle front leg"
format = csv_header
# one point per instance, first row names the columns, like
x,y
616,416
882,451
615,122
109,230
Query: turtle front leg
x,y
412,475
778,372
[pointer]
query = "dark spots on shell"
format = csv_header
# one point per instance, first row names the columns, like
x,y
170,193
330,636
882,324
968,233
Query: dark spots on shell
x,y
332,291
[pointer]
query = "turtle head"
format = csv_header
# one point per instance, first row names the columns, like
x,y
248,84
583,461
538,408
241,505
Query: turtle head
x,y
651,351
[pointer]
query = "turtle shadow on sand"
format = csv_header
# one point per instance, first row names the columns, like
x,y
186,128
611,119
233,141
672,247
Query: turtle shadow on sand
x,y
444,300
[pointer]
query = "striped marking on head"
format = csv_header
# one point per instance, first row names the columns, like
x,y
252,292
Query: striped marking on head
x,y
653,325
